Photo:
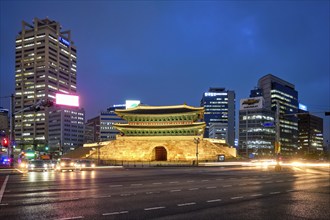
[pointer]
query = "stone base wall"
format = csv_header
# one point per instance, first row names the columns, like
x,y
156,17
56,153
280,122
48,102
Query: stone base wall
x,y
178,148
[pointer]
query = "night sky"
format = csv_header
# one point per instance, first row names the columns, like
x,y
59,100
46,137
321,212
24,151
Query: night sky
x,y
170,52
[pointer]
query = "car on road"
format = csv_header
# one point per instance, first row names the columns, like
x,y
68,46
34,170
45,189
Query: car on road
x,y
65,164
38,165
84,164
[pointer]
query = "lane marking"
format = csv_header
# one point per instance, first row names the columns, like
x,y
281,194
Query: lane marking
x,y
214,200
175,190
290,190
256,195
115,213
152,192
3,187
190,181
174,182
157,183
205,180
237,197
193,189
211,187
125,194
227,185
3,204
77,217
116,185
187,204
101,196
155,208
272,193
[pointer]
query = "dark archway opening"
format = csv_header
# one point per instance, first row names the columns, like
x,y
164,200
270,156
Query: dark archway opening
x,y
160,154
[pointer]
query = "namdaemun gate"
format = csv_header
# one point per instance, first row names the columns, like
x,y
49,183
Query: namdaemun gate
x,y
161,133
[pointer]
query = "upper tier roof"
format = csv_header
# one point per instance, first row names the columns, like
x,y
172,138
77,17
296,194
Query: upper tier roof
x,y
155,110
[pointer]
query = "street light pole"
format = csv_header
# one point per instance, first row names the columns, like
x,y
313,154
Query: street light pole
x,y
11,124
98,153
246,132
196,141
277,124
277,149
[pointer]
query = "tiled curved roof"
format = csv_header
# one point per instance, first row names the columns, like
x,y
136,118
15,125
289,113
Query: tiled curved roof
x,y
173,109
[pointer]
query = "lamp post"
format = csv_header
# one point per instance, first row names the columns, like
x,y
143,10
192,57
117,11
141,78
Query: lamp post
x,y
246,136
196,141
98,153
277,149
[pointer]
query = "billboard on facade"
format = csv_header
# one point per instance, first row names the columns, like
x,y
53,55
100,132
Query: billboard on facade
x,y
132,103
251,103
68,100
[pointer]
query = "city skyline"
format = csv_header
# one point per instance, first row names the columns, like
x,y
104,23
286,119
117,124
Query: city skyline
x,y
165,53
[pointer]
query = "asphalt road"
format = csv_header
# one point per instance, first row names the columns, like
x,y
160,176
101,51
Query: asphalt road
x,y
169,193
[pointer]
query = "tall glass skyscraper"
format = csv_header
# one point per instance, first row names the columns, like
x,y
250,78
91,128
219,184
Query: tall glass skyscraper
x,y
219,105
275,90
45,65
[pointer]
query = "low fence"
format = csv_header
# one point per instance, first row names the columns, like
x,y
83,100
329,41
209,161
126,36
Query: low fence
x,y
149,163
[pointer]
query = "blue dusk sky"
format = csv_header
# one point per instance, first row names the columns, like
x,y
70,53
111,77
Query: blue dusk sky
x,y
170,52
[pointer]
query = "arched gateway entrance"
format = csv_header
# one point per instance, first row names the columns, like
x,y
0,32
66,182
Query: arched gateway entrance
x,y
160,154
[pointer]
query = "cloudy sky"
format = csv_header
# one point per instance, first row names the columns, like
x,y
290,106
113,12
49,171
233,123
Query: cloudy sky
x,y
170,52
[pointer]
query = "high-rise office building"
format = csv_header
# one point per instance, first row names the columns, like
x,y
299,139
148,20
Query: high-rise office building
x,y
276,91
102,125
310,133
93,129
45,65
66,128
219,105
107,120
256,128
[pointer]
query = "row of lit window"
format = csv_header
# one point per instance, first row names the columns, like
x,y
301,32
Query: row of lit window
x,y
28,45
30,115
281,93
289,122
254,117
107,128
30,38
261,130
75,113
213,102
106,123
289,127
